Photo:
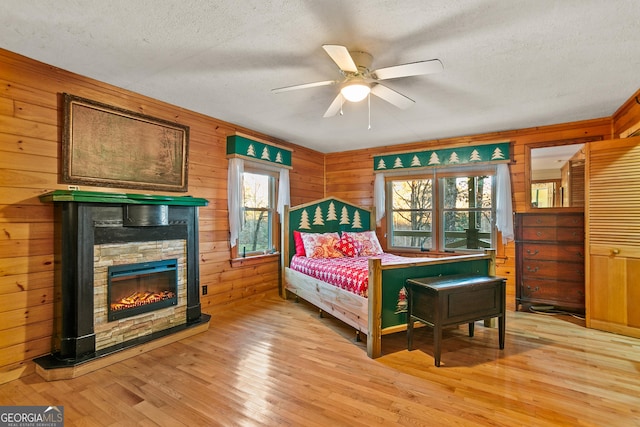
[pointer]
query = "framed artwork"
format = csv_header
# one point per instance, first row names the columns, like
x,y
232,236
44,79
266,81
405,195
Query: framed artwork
x,y
111,147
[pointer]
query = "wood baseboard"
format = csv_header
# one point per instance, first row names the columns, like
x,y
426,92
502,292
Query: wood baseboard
x,y
615,328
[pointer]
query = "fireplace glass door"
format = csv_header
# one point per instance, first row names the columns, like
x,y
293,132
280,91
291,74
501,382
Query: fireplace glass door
x,y
143,287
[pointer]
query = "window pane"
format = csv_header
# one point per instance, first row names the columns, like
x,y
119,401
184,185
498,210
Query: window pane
x,y
467,222
256,190
412,204
456,193
467,192
458,234
256,235
256,231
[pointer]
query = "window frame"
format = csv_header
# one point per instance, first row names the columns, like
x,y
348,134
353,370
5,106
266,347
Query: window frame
x,y
237,252
438,211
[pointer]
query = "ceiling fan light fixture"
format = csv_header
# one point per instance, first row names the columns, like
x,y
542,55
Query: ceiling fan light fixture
x,y
355,92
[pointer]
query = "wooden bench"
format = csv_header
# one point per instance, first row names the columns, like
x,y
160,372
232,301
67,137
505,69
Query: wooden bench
x,y
453,300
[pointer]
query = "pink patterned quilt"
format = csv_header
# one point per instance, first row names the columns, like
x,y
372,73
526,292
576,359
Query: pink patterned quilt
x,y
349,273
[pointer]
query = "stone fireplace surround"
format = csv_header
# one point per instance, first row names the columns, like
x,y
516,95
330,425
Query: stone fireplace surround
x,y
85,221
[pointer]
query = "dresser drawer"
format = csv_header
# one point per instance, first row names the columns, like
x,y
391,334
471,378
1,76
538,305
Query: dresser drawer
x,y
553,234
570,221
569,234
555,252
539,233
553,221
539,221
556,270
557,293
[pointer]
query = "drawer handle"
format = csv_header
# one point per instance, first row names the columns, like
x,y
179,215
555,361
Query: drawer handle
x,y
534,269
580,254
538,233
536,289
615,251
539,221
530,252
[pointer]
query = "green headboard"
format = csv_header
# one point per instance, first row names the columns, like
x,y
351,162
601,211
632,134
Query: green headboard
x,y
323,216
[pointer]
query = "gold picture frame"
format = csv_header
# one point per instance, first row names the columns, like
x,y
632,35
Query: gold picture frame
x,y
111,147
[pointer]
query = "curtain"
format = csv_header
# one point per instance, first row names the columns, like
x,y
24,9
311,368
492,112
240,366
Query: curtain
x,y
504,210
378,197
283,192
234,198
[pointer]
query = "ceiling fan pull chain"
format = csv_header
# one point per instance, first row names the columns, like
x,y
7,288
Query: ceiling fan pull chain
x,y
341,104
369,103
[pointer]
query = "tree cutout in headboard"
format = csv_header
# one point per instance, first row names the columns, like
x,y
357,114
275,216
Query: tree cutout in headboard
x,y
328,215
321,217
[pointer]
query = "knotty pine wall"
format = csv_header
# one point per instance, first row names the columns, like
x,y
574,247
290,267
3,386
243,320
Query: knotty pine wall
x,y
627,118
30,129
349,174
30,117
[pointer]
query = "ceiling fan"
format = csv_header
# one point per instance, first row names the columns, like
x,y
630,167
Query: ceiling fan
x,y
359,80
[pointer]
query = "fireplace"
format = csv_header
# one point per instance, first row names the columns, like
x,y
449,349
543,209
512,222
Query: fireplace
x,y
134,289
127,273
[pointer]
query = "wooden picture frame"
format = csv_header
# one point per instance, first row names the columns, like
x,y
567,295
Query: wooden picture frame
x,y
111,147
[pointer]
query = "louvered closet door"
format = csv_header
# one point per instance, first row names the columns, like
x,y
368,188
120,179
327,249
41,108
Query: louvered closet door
x,y
613,236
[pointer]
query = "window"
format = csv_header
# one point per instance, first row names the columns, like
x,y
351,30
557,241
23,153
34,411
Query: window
x,y
412,213
258,233
442,211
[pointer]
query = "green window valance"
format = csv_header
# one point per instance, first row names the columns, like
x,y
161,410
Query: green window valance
x,y
458,156
247,148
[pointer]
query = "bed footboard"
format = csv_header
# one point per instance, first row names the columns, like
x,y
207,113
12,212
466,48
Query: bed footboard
x,y
348,307
386,281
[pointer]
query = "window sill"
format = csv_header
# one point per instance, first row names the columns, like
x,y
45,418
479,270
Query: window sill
x,y
254,260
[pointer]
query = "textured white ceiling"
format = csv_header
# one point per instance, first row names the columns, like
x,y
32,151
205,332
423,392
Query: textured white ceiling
x,y
508,64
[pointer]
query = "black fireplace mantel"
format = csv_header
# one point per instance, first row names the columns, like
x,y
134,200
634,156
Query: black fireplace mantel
x,y
84,219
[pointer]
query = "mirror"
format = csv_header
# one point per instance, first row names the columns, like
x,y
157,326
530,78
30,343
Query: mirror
x,y
556,176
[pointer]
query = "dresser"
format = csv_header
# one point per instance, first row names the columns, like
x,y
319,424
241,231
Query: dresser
x,y
550,262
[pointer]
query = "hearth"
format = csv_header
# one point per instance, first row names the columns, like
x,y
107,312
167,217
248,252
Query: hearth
x,y
128,272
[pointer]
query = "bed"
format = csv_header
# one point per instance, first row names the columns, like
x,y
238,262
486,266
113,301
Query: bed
x,y
372,299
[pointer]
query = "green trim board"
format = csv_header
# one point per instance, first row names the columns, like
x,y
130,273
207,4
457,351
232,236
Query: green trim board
x,y
458,156
120,198
256,150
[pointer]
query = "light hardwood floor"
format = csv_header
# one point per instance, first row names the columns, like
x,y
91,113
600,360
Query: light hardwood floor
x,y
274,362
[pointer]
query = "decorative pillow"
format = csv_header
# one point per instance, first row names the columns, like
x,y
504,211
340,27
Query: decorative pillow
x,y
347,245
321,245
368,241
297,239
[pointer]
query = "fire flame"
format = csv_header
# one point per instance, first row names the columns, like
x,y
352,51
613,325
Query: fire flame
x,y
138,299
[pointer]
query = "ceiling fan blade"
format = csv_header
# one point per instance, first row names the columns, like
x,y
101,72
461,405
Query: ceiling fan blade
x,y
341,57
392,97
406,70
335,106
304,86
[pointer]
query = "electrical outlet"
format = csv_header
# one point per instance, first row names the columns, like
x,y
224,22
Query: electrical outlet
x,y
204,289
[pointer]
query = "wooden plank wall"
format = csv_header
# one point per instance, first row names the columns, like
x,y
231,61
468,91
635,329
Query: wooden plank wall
x,y
627,119
349,174
30,118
